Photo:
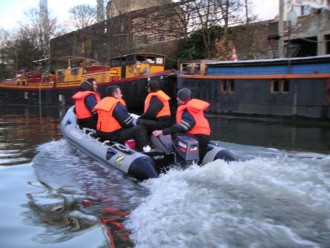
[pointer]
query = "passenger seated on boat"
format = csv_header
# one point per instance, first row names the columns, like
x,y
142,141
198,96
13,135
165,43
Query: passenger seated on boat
x,y
190,120
85,101
114,121
157,113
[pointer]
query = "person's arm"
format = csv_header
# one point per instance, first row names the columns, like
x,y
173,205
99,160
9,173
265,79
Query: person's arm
x,y
122,116
154,107
90,102
187,123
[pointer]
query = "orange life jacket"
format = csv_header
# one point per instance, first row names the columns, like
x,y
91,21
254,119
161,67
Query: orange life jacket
x,y
196,108
106,122
161,95
82,111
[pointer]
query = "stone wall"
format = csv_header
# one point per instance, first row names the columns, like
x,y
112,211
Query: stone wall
x,y
155,30
148,30
118,7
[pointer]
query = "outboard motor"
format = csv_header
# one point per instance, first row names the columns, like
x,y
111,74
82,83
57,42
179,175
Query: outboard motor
x,y
187,150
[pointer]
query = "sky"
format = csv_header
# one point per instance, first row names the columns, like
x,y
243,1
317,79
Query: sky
x,y
12,11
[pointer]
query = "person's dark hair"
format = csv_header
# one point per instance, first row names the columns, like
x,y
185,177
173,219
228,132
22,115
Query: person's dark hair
x,y
91,80
87,85
153,85
111,90
184,94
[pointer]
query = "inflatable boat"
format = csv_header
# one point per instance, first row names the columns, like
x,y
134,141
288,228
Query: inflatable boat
x,y
165,153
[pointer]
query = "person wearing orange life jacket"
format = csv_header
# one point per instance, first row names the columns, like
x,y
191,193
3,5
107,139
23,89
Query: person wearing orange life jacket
x,y
157,113
114,121
190,119
85,100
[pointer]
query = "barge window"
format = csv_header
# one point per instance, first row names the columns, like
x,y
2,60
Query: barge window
x,y
227,85
184,67
275,86
232,85
280,86
285,85
139,59
75,71
159,61
223,86
117,61
60,76
128,60
150,60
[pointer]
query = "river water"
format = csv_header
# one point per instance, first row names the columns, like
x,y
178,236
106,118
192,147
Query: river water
x,y
277,195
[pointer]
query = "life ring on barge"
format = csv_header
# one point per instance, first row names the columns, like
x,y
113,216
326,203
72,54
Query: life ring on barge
x,y
114,78
51,84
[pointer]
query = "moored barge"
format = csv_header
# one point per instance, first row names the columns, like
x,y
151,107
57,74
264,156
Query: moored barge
x,y
131,72
290,87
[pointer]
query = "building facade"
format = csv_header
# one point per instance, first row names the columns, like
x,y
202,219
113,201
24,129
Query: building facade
x,y
157,29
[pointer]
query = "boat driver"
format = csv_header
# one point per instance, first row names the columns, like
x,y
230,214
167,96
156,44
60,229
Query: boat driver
x,y
85,100
115,123
190,119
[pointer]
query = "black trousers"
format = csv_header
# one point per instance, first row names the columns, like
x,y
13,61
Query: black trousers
x,y
88,122
152,125
138,133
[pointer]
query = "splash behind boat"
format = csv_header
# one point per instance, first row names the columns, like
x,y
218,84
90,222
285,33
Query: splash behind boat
x,y
138,165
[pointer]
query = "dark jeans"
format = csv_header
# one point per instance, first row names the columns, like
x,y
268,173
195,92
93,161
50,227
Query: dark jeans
x,y
88,122
152,125
138,133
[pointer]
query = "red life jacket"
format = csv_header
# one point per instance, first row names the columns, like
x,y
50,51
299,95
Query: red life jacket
x,y
164,98
106,122
196,108
82,111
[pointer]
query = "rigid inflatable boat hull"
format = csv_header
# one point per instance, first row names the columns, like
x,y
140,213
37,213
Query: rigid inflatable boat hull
x,y
114,155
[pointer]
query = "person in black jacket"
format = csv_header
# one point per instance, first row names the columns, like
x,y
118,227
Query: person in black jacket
x,y
157,113
115,123
85,100
190,119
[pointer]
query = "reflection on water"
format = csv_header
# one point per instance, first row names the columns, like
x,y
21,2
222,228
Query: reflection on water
x,y
298,135
53,195
22,129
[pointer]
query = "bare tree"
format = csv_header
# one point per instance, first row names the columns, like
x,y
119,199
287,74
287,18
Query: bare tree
x,y
83,16
205,17
30,41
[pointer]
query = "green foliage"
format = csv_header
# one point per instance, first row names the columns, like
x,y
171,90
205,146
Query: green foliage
x,y
22,52
5,72
194,47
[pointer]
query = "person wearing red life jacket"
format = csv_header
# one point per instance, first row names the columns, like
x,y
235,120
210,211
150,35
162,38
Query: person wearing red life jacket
x,y
190,119
85,100
157,112
115,123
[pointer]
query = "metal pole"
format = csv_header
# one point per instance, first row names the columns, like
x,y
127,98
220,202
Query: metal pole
x,y
281,53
